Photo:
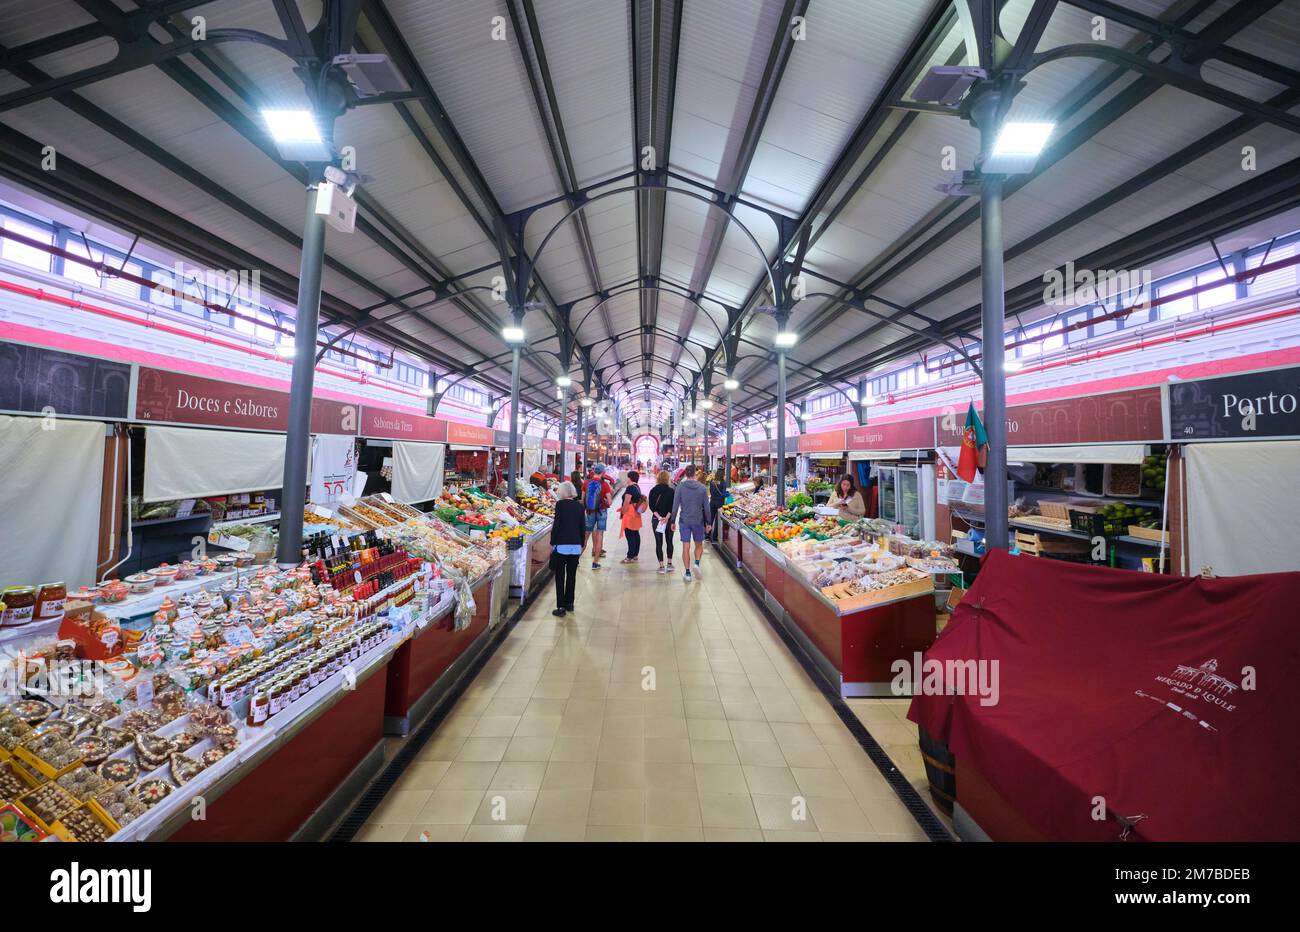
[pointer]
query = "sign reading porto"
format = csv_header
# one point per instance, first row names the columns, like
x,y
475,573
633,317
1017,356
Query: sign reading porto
x,y
1246,406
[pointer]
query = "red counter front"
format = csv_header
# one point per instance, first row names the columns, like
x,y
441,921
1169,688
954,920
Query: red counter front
x,y
277,797
418,663
858,647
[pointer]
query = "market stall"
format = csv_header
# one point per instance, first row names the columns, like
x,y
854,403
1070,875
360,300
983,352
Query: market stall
x,y
1161,697
855,595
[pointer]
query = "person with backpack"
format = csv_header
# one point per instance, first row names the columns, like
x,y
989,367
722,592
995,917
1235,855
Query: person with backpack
x,y
692,514
630,510
597,496
661,507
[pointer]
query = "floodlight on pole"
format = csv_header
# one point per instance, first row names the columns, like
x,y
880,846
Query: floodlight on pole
x,y
731,384
512,334
297,135
785,339
1018,146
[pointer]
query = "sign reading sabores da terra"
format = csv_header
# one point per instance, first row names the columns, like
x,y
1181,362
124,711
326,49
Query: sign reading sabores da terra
x,y
382,423
165,397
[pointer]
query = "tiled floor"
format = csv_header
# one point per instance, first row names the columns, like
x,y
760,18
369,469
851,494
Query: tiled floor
x,y
660,710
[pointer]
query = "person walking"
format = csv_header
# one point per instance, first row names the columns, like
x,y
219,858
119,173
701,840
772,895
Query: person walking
x,y
848,499
567,541
717,498
661,509
632,506
692,515
597,496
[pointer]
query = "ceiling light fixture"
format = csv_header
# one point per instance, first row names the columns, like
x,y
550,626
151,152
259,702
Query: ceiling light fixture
x,y
563,381
785,339
731,385
296,135
587,402
512,334
1017,148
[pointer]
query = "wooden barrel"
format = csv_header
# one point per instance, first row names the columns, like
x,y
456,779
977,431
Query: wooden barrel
x,y
940,771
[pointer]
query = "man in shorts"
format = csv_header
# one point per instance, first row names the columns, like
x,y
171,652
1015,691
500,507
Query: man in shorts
x,y
597,495
692,514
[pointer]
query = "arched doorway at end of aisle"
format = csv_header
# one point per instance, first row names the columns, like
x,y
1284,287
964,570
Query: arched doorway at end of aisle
x,y
645,450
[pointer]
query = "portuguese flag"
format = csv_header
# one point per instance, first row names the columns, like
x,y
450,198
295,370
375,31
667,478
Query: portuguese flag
x,y
973,439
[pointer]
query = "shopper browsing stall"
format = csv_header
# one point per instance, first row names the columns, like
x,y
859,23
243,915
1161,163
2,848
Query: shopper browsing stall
x,y
691,513
567,541
717,498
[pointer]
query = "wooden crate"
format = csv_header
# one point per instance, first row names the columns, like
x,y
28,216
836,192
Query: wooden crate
x,y
846,603
1148,533
1061,508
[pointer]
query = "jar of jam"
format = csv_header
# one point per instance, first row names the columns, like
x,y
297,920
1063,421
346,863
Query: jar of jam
x,y
20,606
49,601
259,708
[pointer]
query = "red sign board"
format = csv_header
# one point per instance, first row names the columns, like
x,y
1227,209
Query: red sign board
x,y
760,447
400,425
1114,417
740,449
165,397
469,434
552,446
829,441
916,434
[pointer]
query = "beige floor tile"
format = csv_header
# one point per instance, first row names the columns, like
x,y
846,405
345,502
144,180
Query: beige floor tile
x,y
469,775
542,707
714,752
732,834
483,749
659,726
791,836
423,775
556,832
708,729
674,833
728,811
889,817
843,815
496,833
784,814
807,755
456,807
672,807
760,753
501,807
666,775
617,807
615,833
721,779
441,747
620,775
771,781
518,775
428,831
676,750
458,726
529,749
751,731
850,836
506,705
537,726
569,775
821,781
621,747
400,806
703,708
575,748
565,807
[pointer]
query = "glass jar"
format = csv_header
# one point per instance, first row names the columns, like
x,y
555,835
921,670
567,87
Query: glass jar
x,y
49,601
20,606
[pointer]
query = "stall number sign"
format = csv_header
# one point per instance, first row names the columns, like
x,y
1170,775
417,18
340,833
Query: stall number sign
x,y
1250,406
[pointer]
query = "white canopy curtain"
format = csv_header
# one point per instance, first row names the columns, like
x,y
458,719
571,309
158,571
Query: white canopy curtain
x,y
184,462
532,460
50,499
417,470
1131,453
1240,518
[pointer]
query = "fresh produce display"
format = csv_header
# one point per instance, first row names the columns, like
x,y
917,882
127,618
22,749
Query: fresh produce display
x,y
508,533
474,520
1117,516
799,499
447,512
1154,468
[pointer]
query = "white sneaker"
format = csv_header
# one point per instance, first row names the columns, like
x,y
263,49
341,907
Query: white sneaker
x,y
687,576
661,571
698,573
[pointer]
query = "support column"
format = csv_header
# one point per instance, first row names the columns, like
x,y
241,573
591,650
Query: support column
x,y
992,334
582,435
726,453
514,420
564,434
298,437
780,427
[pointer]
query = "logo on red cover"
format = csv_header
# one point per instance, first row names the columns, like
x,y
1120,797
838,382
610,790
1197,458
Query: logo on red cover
x,y
1197,687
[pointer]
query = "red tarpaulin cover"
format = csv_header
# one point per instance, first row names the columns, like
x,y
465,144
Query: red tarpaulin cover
x,y
1129,686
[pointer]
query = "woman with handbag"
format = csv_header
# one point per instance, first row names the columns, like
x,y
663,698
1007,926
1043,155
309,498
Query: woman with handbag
x,y
633,505
567,541
661,507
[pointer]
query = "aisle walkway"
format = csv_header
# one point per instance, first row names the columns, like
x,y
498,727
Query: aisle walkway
x,y
556,739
